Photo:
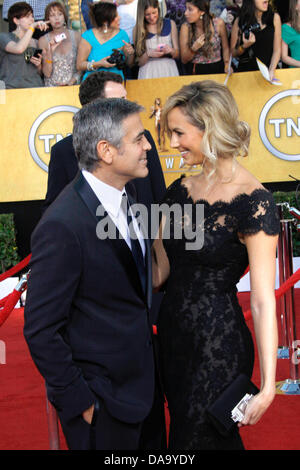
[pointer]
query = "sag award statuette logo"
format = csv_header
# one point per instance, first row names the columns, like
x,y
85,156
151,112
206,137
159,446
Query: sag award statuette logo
x,y
279,125
51,126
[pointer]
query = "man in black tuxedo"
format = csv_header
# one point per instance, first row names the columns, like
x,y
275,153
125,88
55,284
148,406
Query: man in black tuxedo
x,y
63,165
87,315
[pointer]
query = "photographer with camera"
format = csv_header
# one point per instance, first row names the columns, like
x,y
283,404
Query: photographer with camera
x,y
256,34
60,48
20,61
105,46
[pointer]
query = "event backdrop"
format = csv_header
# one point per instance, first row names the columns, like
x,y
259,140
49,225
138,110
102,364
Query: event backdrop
x,y
35,119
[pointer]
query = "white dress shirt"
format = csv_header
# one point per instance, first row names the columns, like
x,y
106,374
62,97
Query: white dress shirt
x,y
111,199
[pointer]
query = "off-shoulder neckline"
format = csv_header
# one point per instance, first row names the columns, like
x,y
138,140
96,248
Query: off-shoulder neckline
x,y
219,202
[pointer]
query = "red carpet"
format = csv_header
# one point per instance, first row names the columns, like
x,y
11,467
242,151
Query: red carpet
x,y
23,420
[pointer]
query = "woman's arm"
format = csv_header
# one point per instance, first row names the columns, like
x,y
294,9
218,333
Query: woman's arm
x,y
128,52
262,256
222,31
285,55
173,51
186,53
19,47
276,45
47,56
160,262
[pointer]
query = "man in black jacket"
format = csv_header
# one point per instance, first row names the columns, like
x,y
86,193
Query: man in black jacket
x,y
88,322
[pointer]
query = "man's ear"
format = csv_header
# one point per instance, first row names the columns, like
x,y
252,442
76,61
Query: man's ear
x,y
104,151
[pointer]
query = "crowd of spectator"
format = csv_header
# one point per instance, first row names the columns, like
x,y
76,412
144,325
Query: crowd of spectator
x,y
144,39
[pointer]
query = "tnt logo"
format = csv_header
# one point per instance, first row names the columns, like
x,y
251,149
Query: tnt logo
x,y
279,125
50,127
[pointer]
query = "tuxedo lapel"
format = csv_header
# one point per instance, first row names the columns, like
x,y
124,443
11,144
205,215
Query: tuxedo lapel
x,y
118,243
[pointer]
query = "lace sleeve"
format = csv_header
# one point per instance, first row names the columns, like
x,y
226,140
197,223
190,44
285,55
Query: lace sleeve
x,y
259,213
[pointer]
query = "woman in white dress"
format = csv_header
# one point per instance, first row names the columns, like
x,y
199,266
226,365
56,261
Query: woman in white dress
x,y
156,42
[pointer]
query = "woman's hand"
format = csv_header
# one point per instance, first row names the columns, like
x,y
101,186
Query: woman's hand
x,y
248,42
36,61
103,63
127,48
42,25
168,49
256,408
198,43
155,54
226,70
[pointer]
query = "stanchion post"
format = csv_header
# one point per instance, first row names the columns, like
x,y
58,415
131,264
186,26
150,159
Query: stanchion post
x,y
291,386
283,350
290,301
53,430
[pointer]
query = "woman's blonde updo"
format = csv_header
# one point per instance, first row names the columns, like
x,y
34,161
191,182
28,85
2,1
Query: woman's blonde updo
x,y
212,108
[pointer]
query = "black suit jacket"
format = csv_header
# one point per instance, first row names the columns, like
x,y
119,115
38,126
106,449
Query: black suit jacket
x,y
87,320
63,168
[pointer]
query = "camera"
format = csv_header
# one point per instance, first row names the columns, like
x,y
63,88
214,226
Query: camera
x,y
60,37
246,29
31,52
117,58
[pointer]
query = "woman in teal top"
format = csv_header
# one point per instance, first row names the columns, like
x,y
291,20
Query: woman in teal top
x,y
97,44
291,36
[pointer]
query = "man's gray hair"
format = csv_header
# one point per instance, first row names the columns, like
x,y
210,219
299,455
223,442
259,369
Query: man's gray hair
x,y
102,119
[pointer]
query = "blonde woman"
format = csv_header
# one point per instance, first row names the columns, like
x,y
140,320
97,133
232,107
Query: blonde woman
x,y
205,342
156,42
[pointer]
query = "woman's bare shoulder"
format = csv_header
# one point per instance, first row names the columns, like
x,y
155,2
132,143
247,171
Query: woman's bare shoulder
x,y
248,182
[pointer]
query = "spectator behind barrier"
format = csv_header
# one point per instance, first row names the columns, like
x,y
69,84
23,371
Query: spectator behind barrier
x,y
203,40
230,13
98,44
175,11
156,42
256,33
20,60
291,36
59,58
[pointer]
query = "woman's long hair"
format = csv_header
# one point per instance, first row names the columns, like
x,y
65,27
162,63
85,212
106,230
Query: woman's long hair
x,y
294,15
202,5
247,14
141,25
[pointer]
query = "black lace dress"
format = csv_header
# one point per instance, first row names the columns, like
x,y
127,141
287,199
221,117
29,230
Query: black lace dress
x,y
205,342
